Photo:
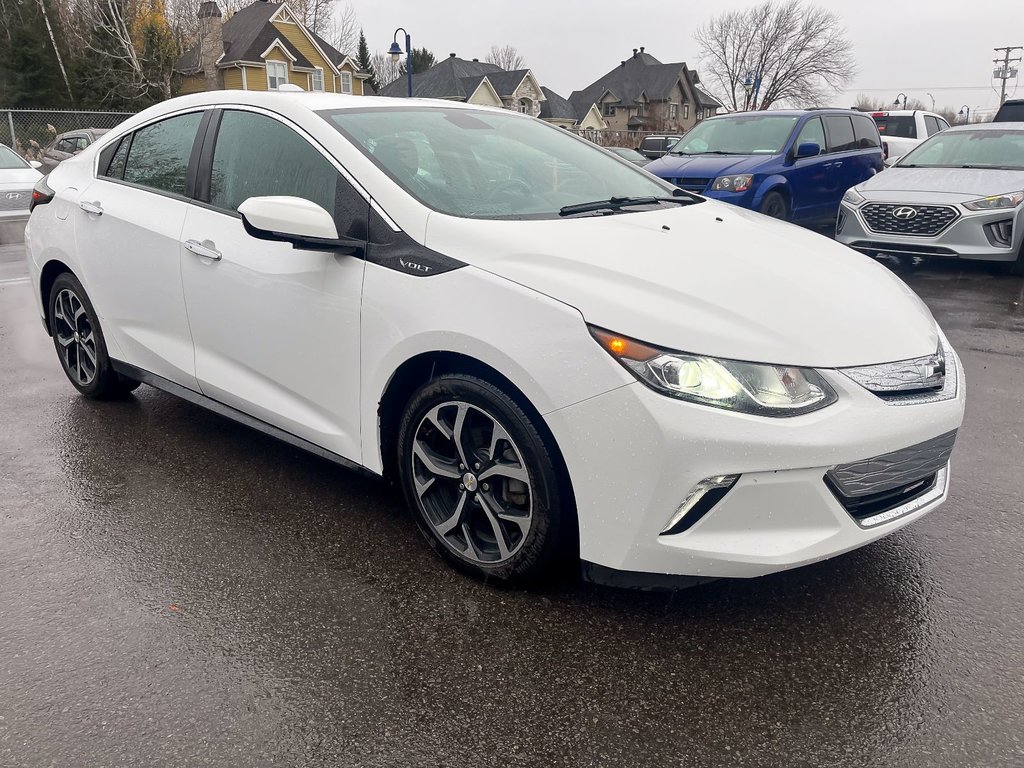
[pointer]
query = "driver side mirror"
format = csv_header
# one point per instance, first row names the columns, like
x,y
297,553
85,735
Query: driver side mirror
x,y
293,220
35,164
808,149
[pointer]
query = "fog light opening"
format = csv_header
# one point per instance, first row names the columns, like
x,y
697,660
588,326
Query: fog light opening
x,y
701,500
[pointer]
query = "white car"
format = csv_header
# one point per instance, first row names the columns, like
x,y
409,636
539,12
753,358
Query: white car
x,y
17,177
556,355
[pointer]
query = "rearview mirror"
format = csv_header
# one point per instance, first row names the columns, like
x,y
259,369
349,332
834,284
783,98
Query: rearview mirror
x,y
35,164
808,149
293,220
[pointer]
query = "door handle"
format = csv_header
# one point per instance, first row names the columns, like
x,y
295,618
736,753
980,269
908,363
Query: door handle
x,y
94,208
207,249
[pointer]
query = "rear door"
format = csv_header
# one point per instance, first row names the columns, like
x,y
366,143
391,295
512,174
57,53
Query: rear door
x,y
868,160
128,235
276,328
842,165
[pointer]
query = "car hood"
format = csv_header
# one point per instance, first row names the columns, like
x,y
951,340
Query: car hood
x,y
19,177
705,166
971,182
709,279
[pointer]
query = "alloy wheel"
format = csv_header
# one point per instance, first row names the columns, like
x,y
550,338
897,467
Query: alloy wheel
x,y
76,339
471,482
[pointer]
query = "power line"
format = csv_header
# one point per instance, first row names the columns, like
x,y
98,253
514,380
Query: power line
x,y
1005,72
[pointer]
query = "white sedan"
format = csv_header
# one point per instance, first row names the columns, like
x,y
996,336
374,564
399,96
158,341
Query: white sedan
x,y
17,177
556,355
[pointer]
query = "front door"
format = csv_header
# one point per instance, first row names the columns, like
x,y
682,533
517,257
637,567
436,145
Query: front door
x,y
128,233
276,328
807,176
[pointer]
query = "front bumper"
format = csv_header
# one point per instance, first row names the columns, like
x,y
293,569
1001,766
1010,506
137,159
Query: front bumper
x,y
634,455
970,236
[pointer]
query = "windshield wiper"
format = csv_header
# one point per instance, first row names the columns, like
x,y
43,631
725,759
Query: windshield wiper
x,y
618,203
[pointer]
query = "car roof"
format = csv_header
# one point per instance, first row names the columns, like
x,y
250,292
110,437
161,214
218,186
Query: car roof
x,y
1007,126
793,112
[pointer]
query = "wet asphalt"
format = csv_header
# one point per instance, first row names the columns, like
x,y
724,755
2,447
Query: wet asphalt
x,y
177,590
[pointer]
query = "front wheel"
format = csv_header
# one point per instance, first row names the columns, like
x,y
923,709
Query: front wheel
x,y
79,342
774,205
482,481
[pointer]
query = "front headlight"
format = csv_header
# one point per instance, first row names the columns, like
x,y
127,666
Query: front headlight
x,y
853,197
996,202
762,390
739,183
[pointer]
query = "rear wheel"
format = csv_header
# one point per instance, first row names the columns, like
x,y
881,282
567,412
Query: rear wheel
x,y
482,481
774,205
79,342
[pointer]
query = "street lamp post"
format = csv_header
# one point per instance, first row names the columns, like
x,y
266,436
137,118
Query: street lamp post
x,y
965,112
395,51
897,102
933,100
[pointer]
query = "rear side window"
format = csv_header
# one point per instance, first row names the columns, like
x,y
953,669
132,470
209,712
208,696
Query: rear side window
x,y
902,126
159,154
1010,112
115,169
652,145
865,132
931,124
256,155
839,131
65,145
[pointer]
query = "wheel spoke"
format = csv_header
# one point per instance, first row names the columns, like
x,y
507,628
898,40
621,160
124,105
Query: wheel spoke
x,y
496,527
520,519
434,463
460,422
434,416
453,522
510,471
65,340
498,433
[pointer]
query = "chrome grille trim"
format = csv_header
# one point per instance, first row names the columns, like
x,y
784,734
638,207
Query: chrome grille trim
x,y
887,379
937,491
891,470
928,221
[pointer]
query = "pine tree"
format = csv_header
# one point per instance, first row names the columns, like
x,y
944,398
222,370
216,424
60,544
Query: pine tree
x,y
365,62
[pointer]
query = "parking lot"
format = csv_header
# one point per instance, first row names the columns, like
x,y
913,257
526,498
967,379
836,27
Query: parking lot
x,y
177,590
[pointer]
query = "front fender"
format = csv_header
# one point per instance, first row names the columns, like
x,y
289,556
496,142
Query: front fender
x,y
774,183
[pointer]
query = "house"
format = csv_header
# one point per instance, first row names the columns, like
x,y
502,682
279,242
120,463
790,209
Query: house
x,y
260,47
557,110
642,94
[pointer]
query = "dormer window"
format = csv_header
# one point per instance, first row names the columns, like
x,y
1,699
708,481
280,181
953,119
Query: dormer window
x,y
277,74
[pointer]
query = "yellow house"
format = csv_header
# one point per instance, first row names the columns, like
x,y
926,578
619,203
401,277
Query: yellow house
x,y
259,48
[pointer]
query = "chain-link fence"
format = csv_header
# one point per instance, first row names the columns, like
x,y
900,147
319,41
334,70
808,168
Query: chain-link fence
x,y
609,138
30,131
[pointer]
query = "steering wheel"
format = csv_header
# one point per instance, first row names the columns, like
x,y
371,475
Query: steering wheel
x,y
508,187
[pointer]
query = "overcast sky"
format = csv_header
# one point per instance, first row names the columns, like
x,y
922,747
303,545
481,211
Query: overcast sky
x,y
941,47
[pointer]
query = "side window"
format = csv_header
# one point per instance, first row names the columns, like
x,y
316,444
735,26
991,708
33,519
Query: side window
x,y
159,153
812,131
839,131
943,125
81,143
65,145
931,124
257,155
865,132
115,169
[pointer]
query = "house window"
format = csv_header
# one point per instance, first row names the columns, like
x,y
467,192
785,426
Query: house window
x,y
277,74
673,111
318,80
523,106
640,108
346,82
686,111
700,114
608,110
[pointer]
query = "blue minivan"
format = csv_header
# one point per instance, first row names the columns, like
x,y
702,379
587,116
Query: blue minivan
x,y
790,164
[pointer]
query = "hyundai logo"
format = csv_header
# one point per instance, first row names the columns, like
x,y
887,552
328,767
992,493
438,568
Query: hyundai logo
x,y
14,195
905,213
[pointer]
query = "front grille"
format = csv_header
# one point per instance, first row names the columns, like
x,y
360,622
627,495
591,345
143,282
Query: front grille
x,y
863,507
1000,233
691,183
917,220
15,199
892,471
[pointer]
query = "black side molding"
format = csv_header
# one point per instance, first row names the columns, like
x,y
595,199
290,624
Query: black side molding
x,y
398,251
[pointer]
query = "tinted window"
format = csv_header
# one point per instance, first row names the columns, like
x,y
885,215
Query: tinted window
x,y
65,145
257,156
116,168
812,131
903,126
840,134
159,153
1010,112
865,132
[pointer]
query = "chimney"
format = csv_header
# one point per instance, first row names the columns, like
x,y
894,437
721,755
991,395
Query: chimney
x,y
634,53
451,55
641,49
211,43
476,59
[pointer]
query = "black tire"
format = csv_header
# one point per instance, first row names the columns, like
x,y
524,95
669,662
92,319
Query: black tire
x,y
430,422
774,205
79,342
1016,268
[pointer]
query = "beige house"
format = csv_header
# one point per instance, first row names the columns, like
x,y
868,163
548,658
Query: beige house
x,y
259,48
642,94
557,110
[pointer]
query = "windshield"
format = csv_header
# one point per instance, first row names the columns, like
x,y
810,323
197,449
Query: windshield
x,y
757,134
1010,112
902,126
9,159
979,149
489,165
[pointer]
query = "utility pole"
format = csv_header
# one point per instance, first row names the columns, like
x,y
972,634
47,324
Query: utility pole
x,y
1004,72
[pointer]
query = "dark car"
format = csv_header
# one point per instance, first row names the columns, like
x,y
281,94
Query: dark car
x,y
1012,111
653,147
630,154
68,145
790,164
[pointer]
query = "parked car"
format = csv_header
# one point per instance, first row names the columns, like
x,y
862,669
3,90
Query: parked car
x,y
653,147
958,195
1011,111
629,154
614,371
904,129
68,145
789,164
17,177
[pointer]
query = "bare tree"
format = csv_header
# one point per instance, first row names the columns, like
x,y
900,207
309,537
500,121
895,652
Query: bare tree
x,y
506,56
387,71
343,31
798,51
